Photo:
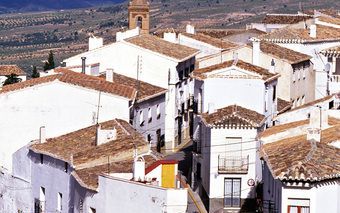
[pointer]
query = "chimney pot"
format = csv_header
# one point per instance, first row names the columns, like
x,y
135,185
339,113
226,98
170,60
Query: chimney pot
x,y
138,170
42,134
190,29
312,31
109,75
95,42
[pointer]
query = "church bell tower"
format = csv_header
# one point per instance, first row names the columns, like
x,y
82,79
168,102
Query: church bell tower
x,y
139,15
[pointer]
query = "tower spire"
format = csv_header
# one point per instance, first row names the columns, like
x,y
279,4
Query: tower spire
x,y
139,15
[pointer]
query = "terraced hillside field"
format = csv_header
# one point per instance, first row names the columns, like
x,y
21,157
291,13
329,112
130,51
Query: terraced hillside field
x,y
26,39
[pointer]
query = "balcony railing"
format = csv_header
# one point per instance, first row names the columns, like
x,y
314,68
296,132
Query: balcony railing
x,y
238,165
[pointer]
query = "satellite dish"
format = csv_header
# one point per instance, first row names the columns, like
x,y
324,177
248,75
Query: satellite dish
x,y
327,67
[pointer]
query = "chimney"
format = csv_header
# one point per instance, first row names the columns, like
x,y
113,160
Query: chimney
x,y
109,75
138,170
104,136
318,121
190,29
42,134
95,42
312,31
211,108
256,51
272,66
83,64
170,37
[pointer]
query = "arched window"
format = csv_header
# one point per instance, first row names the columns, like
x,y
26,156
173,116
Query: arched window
x,y
139,22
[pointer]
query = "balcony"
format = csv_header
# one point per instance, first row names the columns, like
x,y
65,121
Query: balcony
x,y
233,165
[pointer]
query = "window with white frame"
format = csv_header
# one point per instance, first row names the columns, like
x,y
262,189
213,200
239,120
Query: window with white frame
x,y
59,202
141,118
149,115
158,111
296,205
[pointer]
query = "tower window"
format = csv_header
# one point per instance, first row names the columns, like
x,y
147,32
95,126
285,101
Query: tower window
x,y
139,22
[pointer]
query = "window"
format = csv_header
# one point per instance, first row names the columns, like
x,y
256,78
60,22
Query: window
x,y
41,158
66,167
180,75
149,115
59,202
139,22
303,100
274,92
186,72
141,118
298,205
158,109
42,198
192,67
92,210
232,192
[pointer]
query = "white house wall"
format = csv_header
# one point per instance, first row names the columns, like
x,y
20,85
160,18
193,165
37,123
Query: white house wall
x,y
318,60
60,107
118,195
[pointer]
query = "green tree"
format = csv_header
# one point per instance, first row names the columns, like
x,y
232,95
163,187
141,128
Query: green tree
x,y
49,64
12,79
35,73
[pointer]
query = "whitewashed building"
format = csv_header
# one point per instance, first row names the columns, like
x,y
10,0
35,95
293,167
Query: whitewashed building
x,y
216,87
272,22
102,168
301,167
333,68
6,70
226,165
310,42
296,83
155,61
68,101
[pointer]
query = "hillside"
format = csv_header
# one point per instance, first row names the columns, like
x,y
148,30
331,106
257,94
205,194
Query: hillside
x,y
43,5
26,39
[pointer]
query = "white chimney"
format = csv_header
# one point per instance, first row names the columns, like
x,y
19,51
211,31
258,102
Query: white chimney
x,y
42,134
211,108
256,51
318,120
103,136
170,37
272,66
312,31
138,170
95,42
190,29
109,75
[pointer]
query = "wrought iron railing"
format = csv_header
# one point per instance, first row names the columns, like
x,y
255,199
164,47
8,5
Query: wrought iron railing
x,y
233,164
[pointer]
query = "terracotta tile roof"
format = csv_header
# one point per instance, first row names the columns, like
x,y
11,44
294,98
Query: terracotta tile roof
x,y
222,44
289,55
9,69
283,105
332,51
232,115
284,18
78,148
264,74
88,177
121,86
158,45
146,90
291,35
223,33
298,159
330,20
81,145
284,127
312,103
